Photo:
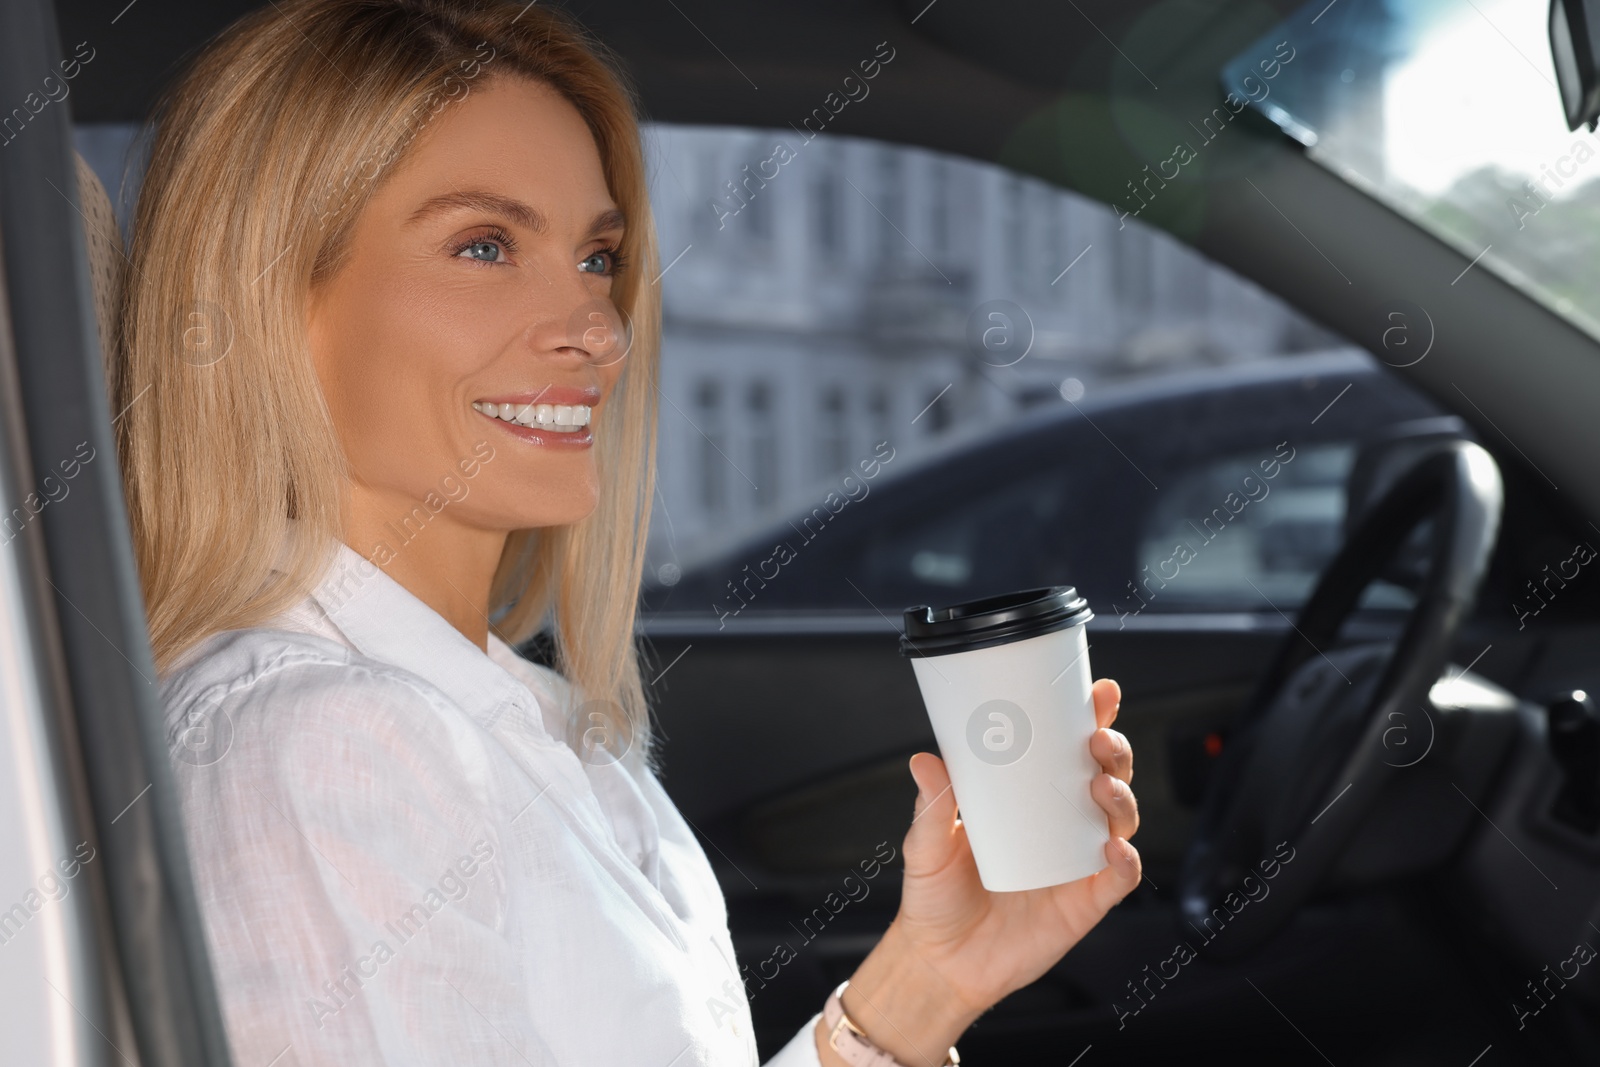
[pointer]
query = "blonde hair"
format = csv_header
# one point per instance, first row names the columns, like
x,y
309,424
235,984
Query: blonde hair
x,y
264,154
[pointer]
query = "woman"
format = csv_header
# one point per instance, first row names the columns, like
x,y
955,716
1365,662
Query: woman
x,y
381,423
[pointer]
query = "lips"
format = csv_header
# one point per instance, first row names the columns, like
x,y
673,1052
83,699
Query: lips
x,y
550,394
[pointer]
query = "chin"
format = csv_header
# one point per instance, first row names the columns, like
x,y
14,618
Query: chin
x,y
566,519
541,498
557,513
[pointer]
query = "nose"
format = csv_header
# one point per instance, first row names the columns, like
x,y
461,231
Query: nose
x,y
601,331
582,327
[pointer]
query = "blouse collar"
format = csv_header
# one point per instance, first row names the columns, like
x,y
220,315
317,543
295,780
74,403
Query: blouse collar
x,y
384,621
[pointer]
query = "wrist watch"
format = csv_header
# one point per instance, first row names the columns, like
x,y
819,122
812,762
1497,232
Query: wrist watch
x,y
848,1040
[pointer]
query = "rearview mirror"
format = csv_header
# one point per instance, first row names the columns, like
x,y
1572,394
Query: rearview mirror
x,y
1574,46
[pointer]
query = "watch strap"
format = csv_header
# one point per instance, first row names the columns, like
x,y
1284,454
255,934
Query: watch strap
x,y
852,1044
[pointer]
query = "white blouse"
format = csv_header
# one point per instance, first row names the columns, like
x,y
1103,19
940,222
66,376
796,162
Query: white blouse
x,y
401,862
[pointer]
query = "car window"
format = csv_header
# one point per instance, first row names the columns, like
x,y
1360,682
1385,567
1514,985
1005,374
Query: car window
x,y
1237,529
891,376
864,306
1450,114
1005,538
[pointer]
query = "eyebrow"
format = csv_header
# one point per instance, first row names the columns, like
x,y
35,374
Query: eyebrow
x,y
507,207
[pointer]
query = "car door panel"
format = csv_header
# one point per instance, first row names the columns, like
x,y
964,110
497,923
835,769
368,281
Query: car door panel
x,y
787,752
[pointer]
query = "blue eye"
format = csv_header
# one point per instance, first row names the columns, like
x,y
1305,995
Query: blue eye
x,y
497,240
605,261
492,257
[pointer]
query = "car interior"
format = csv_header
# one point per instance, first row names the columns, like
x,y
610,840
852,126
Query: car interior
x,y
1366,737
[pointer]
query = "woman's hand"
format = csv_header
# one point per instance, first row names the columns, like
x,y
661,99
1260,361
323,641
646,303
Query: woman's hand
x,y
955,949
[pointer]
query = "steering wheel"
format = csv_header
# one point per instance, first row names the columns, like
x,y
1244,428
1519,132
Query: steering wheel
x,y
1309,760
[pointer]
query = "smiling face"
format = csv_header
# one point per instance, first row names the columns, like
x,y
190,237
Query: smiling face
x,y
461,324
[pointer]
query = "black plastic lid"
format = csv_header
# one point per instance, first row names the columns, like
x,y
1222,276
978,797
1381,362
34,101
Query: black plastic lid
x,y
995,620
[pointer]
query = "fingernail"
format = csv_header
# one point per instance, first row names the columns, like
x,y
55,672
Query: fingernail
x,y
1125,850
1119,744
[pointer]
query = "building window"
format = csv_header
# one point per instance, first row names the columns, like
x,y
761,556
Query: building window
x,y
833,453
825,214
938,414
878,413
759,210
1133,272
713,463
763,444
716,211
891,202
939,207
1016,231
1058,250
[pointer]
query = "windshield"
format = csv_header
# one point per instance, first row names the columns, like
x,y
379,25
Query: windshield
x,y
1449,112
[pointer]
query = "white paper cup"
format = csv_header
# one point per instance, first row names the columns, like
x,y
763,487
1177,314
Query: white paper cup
x,y
1007,686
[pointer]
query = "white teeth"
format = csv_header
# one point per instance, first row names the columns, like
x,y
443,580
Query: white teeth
x,y
559,418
